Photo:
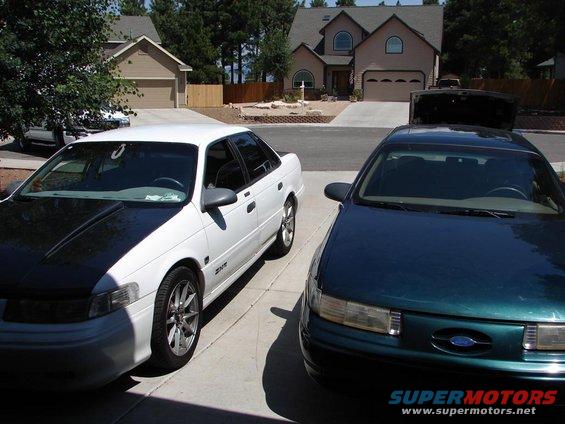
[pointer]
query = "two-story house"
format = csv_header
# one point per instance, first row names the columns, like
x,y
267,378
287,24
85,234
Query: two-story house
x,y
386,51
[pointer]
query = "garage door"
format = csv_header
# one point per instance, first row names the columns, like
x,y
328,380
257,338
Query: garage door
x,y
156,94
386,86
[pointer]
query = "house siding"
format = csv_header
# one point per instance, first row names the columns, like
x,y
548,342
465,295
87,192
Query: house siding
x,y
341,23
417,54
146,61
305,59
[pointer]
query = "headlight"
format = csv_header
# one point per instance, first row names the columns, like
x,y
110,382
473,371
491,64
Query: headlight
x,y
113,300
544,337
124,122
352,314
312,293
68,311
358,315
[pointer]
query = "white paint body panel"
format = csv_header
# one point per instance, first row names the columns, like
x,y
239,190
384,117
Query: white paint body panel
x,y
229,235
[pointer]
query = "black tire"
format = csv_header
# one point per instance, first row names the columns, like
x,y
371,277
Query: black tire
x,y
58,136
164,355
283,243
23,144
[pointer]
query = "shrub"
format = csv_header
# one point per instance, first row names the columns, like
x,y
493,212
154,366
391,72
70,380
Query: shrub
x,y
291,97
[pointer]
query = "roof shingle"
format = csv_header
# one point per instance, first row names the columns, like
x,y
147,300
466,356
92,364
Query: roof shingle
x,y
427,20
126,27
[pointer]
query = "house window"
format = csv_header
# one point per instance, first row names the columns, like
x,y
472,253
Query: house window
x,y
343,41
303,75
394,45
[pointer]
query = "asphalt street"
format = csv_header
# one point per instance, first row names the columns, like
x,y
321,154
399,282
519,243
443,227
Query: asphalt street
x,y
346,149
325,148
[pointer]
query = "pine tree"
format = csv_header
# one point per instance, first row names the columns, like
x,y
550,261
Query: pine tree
x,y
344,3
318,3
132,7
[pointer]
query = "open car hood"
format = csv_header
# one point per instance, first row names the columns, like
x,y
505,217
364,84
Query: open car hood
x,y
468,107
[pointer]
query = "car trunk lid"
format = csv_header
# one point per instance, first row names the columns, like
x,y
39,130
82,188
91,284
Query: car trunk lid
x,y
468,107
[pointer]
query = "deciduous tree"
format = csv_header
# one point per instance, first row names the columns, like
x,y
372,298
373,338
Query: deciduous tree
x,y
52,66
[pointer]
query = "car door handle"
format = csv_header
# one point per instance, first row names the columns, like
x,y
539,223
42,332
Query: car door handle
x,y
280,186
250,207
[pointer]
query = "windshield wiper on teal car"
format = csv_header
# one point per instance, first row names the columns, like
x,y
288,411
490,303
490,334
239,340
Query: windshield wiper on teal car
x,y
390,205
477,212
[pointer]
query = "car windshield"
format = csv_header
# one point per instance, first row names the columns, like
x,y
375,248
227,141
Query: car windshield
x,y
468,179
127,171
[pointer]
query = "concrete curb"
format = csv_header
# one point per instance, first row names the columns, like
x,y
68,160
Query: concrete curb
x,y
31,164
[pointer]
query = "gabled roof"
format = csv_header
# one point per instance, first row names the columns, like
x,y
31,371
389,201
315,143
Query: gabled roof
x,y
128,27
342,13
326,58
418,34
122,48
426,20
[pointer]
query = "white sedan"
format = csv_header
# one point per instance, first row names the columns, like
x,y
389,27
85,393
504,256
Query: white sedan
x,y
113,248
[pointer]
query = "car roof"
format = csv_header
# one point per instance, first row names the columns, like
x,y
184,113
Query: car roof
x,y
460,135
196,134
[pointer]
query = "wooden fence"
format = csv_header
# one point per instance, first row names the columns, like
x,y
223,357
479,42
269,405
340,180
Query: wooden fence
x,y
205,95
535,93
251,92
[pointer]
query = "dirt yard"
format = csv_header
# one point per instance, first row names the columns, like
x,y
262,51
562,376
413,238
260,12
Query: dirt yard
x,y
9,175
222,114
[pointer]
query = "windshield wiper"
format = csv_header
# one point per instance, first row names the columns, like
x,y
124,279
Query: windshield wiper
x,y
478,212
389,205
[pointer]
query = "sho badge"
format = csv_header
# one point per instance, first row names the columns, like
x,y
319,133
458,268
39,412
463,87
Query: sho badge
x,y
218,270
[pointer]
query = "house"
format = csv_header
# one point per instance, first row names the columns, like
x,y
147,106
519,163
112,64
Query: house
x,y
553,67
386,51
161,77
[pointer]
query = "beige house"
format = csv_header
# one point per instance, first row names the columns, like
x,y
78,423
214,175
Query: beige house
x,y
158,75
386,51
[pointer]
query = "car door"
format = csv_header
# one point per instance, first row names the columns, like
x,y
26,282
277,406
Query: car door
x,y
265,179
231,230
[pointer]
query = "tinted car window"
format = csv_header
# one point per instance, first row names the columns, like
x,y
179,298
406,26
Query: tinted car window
x,y
254,157
465,178
127,171
222,168
273,157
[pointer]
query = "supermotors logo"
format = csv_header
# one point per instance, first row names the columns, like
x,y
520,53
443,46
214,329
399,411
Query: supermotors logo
x,y
473,397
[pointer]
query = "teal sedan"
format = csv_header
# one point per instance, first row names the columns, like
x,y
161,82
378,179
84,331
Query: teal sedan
x,y
447,253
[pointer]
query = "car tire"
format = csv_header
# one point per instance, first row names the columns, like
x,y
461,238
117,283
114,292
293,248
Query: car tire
x,y
23,144
285,235
177,319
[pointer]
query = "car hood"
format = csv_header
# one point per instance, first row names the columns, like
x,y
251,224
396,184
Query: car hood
x,y
56,247
467,107
507,269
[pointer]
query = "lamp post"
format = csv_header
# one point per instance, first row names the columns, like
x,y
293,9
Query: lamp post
x,y
302,95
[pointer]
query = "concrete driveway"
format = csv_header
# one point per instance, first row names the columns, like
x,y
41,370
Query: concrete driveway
x,y
373,115
247,366
170,116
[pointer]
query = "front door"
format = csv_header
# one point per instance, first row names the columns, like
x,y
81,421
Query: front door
x,y
341,82
233,237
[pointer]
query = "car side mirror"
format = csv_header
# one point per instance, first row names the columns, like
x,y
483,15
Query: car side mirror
x,y
216,197
337,191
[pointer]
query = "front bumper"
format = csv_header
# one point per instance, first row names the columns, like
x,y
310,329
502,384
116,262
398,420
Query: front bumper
x,y
74,356
340,352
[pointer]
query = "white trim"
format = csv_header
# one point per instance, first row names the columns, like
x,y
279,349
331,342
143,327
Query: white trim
x,y
143,37
176,92
146,78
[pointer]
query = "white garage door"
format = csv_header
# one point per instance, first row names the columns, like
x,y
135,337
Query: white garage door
x,y
388,86
157,94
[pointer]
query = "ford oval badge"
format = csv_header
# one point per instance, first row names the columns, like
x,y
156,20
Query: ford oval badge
x,y
462,341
